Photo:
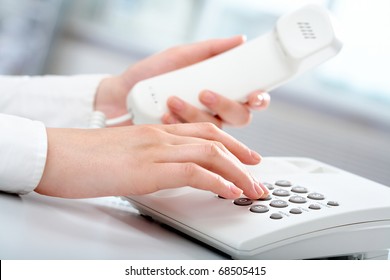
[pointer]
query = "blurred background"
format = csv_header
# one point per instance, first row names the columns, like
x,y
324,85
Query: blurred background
x,y
339,113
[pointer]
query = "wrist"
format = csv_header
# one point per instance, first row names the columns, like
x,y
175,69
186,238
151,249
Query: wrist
x,y
111,97
67,168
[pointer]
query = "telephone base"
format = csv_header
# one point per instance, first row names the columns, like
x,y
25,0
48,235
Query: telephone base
x,y
315,211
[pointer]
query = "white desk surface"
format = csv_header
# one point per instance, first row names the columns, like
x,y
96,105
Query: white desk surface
x,y
39,227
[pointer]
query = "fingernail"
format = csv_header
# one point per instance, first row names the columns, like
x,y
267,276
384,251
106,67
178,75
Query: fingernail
x,y
208,97
256,185
258,101
255,156
266,191
258,189
176,104
243,37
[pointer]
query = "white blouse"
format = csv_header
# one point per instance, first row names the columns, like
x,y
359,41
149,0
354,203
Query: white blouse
x,y
27,106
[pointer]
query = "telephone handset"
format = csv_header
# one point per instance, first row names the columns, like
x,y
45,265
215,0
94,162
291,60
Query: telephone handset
x,y
300,41
314,211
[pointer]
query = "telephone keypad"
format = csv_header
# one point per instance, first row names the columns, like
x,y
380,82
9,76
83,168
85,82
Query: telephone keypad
x,y
287,194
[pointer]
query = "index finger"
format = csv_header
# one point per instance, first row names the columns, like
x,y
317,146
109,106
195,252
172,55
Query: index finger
x,y
202,50
209,131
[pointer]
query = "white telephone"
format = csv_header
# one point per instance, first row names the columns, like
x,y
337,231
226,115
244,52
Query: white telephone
x,y
300,41
314,211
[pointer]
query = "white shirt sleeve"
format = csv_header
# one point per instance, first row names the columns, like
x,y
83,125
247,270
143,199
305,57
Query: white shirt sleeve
x,y
57,101
27,106
23,149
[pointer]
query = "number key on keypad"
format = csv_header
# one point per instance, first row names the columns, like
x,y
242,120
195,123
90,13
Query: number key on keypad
x,y
265,198
316,196
276,216
259,209
297,199
278,203
333,203
243,201
295,211
269,186
281,192
283,183
315,207
299,189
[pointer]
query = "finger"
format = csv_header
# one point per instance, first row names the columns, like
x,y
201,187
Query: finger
x,y
209,131
231,112
202,50
189,113
174,175
259,100
213,157
178,57
173,140
225,110
169,118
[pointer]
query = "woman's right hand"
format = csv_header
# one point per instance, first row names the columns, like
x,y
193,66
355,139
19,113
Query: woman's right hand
x,y
138,160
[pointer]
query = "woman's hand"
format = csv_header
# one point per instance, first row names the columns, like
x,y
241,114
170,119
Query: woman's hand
x,y
226,111
112,92
137,160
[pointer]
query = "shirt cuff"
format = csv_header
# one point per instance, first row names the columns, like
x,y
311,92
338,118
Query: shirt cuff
x,y
23,149
57,101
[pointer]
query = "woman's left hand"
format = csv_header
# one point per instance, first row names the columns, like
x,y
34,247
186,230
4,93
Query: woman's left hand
x,y
112,92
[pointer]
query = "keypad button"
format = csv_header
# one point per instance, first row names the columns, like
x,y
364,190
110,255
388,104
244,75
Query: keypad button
x,y
265,198
333,203
316,196
269,186
259,209
276,216
243,201
315,207
283,183
295,211
281,192
278,203
299,189
297,199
